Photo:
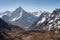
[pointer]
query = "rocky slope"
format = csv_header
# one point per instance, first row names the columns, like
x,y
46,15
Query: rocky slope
x,y
48,21
29,35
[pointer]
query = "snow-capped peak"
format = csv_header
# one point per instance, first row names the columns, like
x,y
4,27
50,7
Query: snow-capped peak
x,y
16,14
19,9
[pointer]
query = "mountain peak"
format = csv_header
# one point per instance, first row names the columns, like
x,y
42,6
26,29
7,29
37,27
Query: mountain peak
x,y
19,8
56,11
17,13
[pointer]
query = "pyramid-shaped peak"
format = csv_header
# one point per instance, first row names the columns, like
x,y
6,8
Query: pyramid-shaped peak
x,y
19,8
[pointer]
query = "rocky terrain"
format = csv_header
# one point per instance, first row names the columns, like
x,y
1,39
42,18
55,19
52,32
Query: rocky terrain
x,y
29,35
48,21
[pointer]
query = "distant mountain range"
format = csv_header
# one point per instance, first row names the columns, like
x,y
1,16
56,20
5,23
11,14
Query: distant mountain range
x,y
35,20
38,25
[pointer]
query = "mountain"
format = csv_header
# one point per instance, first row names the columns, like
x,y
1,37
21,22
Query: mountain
x,y
35,20
22,18
41,20
16,14
48,21
5,15
5,18
8,13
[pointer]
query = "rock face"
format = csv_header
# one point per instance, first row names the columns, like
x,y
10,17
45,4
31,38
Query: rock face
x,y
48,21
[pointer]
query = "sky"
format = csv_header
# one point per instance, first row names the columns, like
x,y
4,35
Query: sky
x,y
29,5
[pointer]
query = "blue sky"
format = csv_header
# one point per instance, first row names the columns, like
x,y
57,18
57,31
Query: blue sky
x,y
29,5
